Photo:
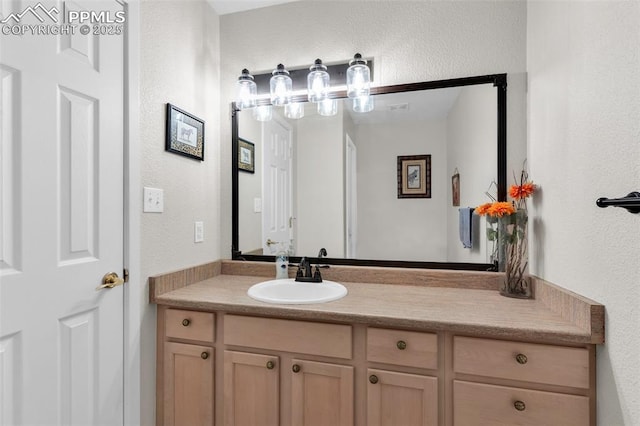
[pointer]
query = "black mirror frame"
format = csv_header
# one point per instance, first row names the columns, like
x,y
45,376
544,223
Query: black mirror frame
x,y
498,80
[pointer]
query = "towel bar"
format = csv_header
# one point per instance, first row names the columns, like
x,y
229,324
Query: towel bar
x,y
631,202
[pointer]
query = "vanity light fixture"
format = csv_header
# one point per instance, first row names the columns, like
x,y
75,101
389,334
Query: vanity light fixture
x,y
281,86
358,77
246,90
262,113
363,104
328,107
294,110
318,82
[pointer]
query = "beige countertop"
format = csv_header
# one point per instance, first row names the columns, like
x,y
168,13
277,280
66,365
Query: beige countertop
x,y
555,316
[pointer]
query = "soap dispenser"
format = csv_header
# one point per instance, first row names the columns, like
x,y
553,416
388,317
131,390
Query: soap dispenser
x,y
282,265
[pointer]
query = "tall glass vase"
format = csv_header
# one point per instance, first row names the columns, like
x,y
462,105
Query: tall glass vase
x,y
512,234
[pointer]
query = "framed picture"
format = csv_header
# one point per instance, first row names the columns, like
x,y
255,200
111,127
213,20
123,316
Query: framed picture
x,y
455,188
185,133
414,176
246,156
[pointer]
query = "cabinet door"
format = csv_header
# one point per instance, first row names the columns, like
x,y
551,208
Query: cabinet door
x,y
188,385
321,394
251,389
401,399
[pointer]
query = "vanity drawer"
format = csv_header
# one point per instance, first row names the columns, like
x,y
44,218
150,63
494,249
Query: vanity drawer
x,y
190,325
480,404
332,340
531,362
398,347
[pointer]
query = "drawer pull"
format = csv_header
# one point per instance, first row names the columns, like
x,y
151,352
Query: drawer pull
x,y
373,379
186,322
519,405
402,345
204,355
271,365
295,368
521,358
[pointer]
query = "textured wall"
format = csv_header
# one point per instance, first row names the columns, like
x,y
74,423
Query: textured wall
x,y
584,143
411,41
178,64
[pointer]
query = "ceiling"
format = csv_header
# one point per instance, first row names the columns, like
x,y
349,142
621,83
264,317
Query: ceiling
x,y
224,7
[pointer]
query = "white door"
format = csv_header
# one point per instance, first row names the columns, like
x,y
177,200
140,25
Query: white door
x,y
61,224
351,194
277,214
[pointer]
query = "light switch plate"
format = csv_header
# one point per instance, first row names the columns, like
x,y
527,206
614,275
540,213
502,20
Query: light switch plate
x,y
153,200
198,232
257,205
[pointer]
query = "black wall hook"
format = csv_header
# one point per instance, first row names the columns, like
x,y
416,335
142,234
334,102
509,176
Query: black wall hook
x,y
631,202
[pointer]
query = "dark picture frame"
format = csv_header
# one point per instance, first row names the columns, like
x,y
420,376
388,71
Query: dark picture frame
x,y
246,156
455,189
185,133
414,176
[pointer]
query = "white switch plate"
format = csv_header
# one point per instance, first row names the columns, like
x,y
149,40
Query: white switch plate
x,y
153,200
198,232
257,205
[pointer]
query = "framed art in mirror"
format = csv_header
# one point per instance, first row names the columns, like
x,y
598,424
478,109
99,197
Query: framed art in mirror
x,y
246,156
414,176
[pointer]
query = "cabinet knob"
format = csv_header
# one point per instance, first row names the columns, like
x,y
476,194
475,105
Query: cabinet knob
x,y
186,322
373,379
271,365
204,355
519,405
402,345
295,368
521,358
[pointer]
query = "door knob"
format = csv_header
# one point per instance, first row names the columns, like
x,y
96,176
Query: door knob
x,y
110,280
270,242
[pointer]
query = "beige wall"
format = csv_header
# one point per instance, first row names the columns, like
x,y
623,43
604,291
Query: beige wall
x,y
401,228
410,41
179,64
471,149
584,143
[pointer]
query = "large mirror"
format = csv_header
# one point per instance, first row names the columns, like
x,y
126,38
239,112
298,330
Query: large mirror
x,y
337,182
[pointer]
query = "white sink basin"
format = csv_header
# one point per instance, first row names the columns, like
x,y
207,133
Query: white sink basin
x,y
292,292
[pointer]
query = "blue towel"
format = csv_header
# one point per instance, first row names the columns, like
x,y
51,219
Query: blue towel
x,y
466,222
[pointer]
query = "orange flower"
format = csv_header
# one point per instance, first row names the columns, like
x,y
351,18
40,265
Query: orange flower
x,y
482,209
519,192
500,209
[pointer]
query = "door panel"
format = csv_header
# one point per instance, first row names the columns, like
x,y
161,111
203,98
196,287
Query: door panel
x,y
61,224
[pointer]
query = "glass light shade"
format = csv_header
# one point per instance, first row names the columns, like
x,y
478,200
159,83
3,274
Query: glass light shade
x,y
318,82
246,91
358,77
363,104
328,107
262,113
281,86
294,110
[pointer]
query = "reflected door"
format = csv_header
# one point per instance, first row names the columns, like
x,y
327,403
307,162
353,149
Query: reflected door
x,y
277,213
61,217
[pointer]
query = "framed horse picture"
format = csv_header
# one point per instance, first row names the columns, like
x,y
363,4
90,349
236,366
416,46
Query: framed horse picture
x,y
185,133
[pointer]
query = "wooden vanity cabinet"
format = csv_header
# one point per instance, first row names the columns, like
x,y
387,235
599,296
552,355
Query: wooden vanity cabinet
x,y
400,398
186,368
321,393
305,373
251,389
314,393
504,382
